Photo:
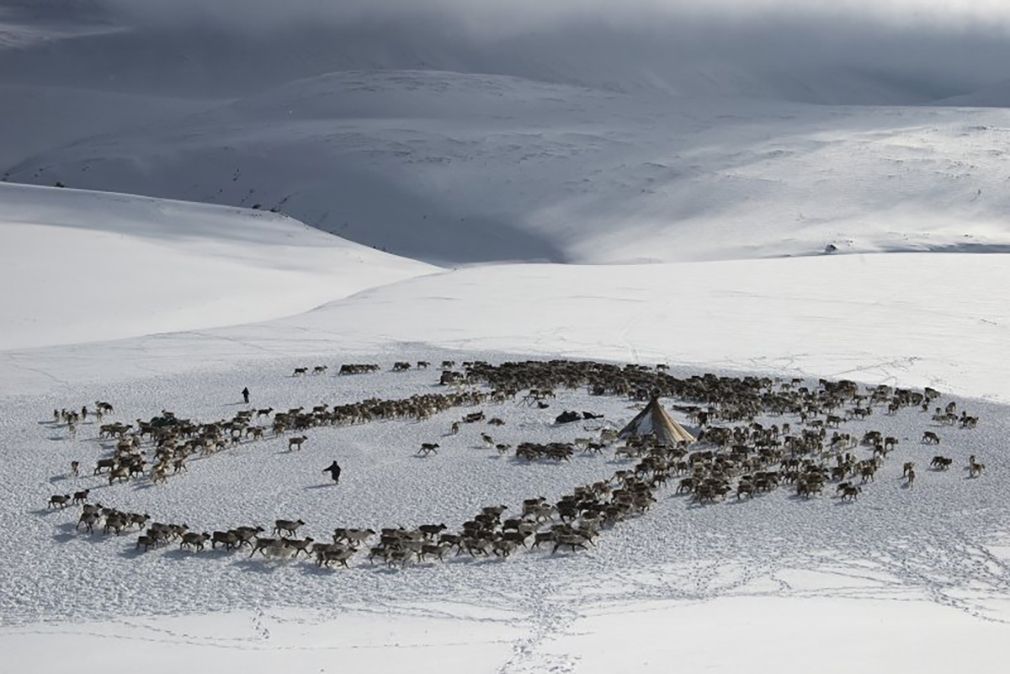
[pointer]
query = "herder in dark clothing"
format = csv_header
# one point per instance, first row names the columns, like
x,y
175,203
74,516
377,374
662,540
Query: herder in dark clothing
x,y
245,395
334,471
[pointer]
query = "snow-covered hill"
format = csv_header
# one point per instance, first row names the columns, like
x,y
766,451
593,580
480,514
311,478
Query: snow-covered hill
x,y
464,168
83,266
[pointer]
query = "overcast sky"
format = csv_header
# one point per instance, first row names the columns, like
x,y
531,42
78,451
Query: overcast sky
x,y
500,17
943,47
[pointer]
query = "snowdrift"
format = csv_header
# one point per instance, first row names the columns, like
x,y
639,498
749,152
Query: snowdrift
x,y
79,266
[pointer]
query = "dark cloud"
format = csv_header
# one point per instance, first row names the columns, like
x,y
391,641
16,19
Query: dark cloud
x,y
848,51
493,17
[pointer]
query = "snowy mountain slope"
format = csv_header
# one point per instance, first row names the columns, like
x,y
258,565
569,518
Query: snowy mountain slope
x,y
38,119
84,266
995,95
464,168
26,26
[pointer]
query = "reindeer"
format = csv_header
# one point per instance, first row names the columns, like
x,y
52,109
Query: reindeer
x,y
229,539
263,544
299,371
89,519
121,473
287,526
246,535
296,442
340,554
104,464
930,438
357,536
974,468
431,530
851,492
940,462
428,448
59,501
194,541
297,545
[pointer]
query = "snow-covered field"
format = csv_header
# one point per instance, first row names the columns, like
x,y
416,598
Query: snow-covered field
x,y
939,547
581,207
926,563
908,319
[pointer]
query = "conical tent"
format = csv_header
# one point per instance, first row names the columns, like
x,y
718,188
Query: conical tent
x,y
654,420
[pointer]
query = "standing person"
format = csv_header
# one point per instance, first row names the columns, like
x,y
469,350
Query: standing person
x,y
245,395
334,470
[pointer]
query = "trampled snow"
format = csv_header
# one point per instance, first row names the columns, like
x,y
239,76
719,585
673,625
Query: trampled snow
x,y
924,562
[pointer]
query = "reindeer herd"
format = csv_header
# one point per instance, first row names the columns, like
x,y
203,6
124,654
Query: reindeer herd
x,y
797,444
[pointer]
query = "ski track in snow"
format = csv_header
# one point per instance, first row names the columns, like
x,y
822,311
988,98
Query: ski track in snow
x,y
940,541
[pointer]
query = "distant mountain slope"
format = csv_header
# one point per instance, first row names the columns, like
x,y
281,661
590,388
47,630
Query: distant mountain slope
x,y
460,168
37,119
79,266
645,132
991,96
